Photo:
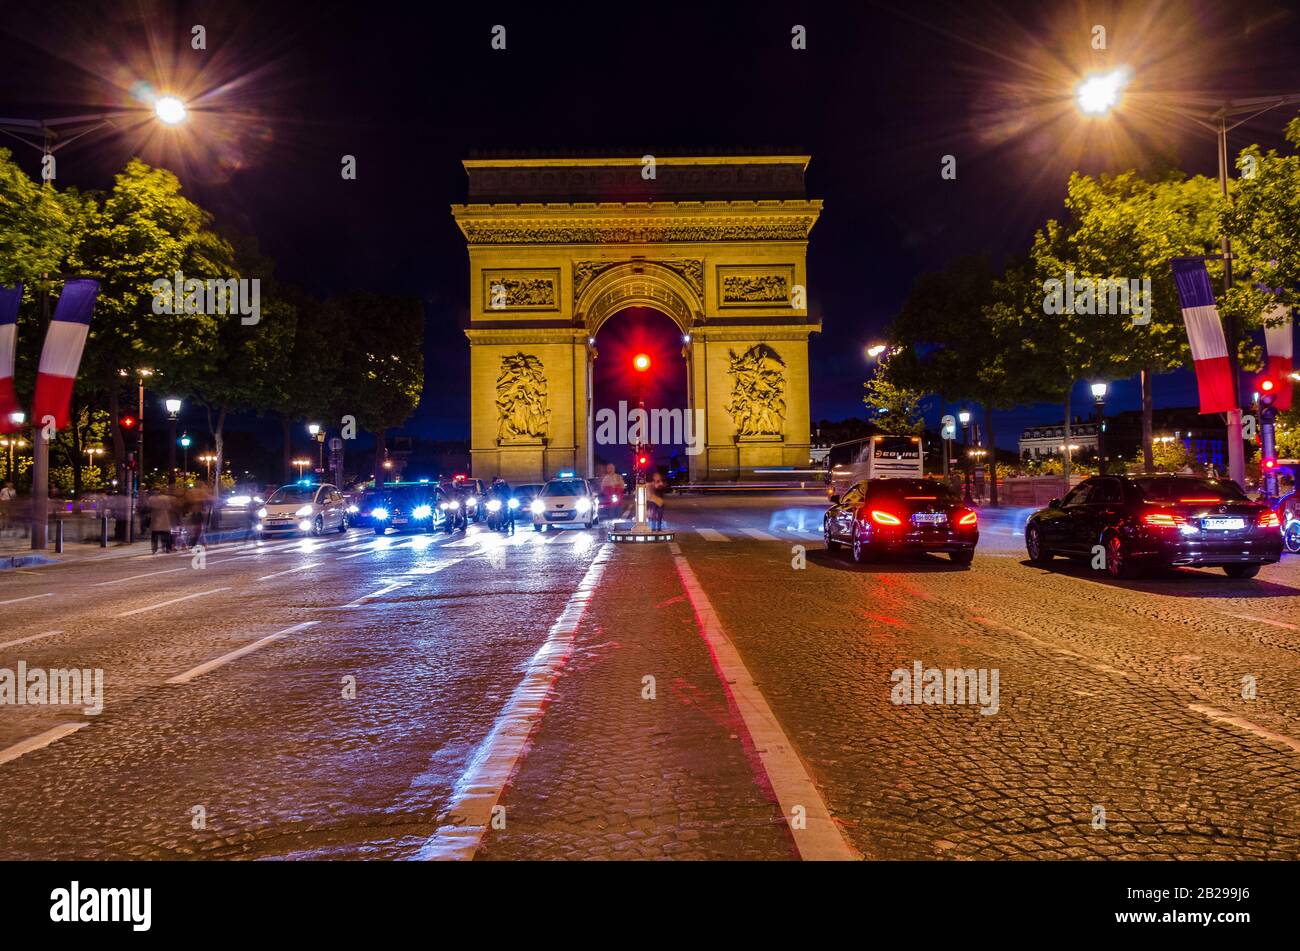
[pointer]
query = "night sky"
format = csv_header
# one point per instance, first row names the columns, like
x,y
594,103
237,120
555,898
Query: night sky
x,y
880,95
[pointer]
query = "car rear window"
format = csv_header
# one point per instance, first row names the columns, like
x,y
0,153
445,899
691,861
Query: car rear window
x,y
915,488
565,487
1189,488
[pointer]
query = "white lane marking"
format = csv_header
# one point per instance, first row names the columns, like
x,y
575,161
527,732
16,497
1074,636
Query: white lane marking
x,y
365,552
478,789
1262,620
147,574
34,637
384,590
202,669
32,597
761,536
289,571
1243,724
710,535
821,838
163,604
39,741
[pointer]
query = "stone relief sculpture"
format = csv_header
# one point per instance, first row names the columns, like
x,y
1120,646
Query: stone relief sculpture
x,y
757,404
522,398
505,293
770,287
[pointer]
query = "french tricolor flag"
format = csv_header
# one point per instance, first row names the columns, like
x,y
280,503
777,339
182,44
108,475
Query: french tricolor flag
x,y
1205,335
61,355
10,298
1278,340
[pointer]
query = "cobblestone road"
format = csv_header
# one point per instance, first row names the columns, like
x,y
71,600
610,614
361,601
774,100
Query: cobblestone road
x,y
728,696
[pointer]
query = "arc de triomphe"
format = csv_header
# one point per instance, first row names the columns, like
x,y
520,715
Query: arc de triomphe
x,y
559,245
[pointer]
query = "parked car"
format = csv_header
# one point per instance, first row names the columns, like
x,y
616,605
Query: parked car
x,y
303,508
1158,521
892,516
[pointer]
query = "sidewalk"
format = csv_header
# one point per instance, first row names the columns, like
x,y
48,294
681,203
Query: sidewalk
x,y
16,549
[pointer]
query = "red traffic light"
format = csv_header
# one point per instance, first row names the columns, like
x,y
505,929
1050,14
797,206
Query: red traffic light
x,y
641,362
127,422
642,460
1270,464
1266,385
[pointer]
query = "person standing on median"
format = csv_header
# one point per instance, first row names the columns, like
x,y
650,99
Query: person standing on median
x,y
655,492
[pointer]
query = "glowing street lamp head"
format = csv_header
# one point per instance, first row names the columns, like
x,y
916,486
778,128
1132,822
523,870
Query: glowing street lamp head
x,y
1100,92
876,350
1098,391
170,110
641,361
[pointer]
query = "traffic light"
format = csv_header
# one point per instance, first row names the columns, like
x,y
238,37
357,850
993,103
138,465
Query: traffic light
x,y
127,422
642,460
1267,399
641,362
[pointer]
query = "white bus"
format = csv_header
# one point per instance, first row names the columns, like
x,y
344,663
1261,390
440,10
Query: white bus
x,y
874,457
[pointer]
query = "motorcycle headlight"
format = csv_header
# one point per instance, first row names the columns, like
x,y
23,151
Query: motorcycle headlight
x,y
494,505
613,498
443,506
514,503
303,512
471,501
353,510
453,505
380,513
584,505
422,511
261,513
538,507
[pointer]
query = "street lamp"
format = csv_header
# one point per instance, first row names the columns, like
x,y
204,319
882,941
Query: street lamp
x,y
964,417
209,458
875,350
319,435
1099,397
12,442
1097,96
170,110
184,442
173,410
301,464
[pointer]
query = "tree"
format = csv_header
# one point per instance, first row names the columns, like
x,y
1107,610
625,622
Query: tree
x,y
952,337
384,372
1126,228
894,410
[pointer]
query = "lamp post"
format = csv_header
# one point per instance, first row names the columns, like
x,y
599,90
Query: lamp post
x,y
1099,398
185,448
964,416
173,410
302,464
1097,96
319,435
209,458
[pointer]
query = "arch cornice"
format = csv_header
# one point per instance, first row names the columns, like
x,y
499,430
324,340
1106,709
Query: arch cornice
x,y
638,284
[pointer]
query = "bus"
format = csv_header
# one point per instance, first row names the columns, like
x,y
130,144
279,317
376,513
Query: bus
x,y
872,457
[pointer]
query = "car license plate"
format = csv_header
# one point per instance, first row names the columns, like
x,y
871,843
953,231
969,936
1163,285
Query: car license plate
x,y
1223,523
929,518
399,521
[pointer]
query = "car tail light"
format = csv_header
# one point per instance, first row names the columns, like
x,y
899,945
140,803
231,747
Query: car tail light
x,y
1269,520
970,518
884,518
1213,500
1163,520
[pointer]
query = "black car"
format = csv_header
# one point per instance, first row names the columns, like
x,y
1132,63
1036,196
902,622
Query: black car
x,y
1157,520
408,508
901,515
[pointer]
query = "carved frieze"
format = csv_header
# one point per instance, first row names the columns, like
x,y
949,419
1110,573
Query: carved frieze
x,y
758,382
517,289
523,412
636,230
755,286
691,270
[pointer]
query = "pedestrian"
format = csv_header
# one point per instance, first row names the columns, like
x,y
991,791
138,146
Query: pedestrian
x,y
655,492
160,508
197,501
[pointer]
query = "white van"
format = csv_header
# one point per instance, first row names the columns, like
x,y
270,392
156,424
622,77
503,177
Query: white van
x,y
874,457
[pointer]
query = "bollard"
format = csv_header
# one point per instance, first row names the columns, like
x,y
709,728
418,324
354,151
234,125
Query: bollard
x,y
103,529
58,536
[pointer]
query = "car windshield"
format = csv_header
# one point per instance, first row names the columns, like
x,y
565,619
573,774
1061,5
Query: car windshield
x,y
527,489
910,490
410,495
1188,489
291,494
565,487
